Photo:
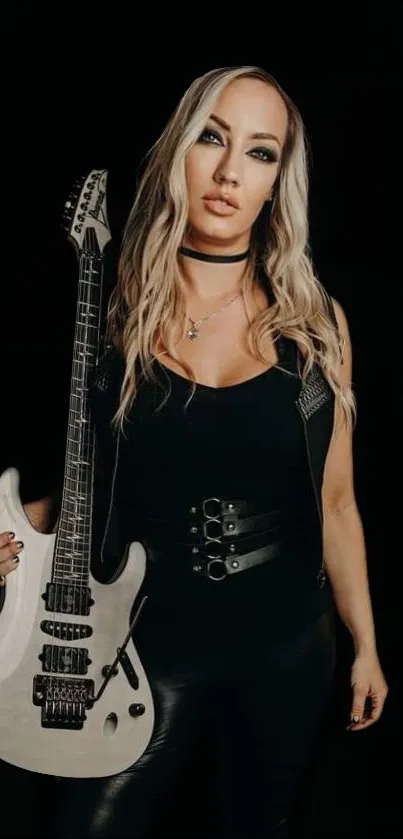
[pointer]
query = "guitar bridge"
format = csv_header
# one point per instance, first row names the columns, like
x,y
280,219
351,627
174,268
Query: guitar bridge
x,y
63,701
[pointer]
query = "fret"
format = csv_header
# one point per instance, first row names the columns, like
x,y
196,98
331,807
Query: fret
x,y
66,562
86,513
85,482
77,562
72,568
77,518
72,545
68,523
70,549
62,581
73,500
84,450
63,561
87,282
80,462
66,527
83,534
78,483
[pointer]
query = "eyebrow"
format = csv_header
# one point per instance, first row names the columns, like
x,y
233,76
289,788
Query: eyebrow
x,y
259,135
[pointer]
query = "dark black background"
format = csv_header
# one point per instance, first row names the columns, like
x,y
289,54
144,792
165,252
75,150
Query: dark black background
x,y
84,94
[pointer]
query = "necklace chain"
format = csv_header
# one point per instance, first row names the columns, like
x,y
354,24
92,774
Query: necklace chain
x,y
193,332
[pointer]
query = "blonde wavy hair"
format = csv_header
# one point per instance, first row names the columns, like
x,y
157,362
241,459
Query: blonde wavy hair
x,y
148,299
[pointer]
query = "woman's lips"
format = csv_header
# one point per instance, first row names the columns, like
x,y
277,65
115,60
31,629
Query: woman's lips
x,y
219,207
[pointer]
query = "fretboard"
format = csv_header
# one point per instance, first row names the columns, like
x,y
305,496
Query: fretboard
x,y
73,541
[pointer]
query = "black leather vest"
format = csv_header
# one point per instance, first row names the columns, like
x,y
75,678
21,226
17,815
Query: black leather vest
x,y
315,404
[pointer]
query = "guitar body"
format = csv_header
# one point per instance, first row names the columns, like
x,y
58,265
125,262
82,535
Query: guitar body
x,y
74,697
111,739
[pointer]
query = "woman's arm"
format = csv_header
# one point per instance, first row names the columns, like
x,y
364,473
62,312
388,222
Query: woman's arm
x,y
345,555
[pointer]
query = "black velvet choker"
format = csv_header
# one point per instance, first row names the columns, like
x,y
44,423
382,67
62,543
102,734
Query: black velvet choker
x,y
212,257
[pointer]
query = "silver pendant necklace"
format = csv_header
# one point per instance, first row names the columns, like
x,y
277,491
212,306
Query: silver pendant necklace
x,y
194,332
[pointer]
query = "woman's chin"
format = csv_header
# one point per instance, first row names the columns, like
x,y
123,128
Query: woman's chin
x,y
213,235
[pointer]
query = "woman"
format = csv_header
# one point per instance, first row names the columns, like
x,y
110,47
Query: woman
x,y
224,414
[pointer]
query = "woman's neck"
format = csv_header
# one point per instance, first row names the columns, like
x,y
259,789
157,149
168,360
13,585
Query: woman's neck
x,y
208,280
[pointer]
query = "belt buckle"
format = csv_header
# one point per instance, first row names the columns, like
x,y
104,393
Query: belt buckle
x,y
209,515
212,520
212,526
212,530
216,579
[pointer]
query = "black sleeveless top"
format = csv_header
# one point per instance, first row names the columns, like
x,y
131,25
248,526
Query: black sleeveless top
x,y
244,441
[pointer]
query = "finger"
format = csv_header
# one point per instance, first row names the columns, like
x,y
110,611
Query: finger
x,y
377,703
371,715
358,704
358,726
6,537
8,551
6,568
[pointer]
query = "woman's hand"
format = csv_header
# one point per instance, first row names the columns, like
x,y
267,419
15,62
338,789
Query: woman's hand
x,y
9,550
39,514
369,690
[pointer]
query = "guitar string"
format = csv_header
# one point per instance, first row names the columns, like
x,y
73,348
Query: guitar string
x,y
83,462
78,440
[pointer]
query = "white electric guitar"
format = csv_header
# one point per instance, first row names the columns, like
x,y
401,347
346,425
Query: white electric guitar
x,y
74,697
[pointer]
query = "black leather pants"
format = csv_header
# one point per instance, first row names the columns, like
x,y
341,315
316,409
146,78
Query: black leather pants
x,y
266,705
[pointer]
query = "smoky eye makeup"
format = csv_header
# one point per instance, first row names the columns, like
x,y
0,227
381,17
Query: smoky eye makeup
x,y
210,135
264,154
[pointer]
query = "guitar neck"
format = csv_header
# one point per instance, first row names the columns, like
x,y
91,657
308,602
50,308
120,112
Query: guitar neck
x,y
73,540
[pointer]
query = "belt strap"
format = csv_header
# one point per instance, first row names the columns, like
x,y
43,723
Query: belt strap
x,y
217,569
213,527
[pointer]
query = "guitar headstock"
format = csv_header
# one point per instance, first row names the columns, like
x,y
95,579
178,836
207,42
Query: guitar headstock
x,y
85,211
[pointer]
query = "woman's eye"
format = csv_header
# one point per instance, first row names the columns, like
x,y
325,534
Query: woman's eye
x,y
265,155
210,137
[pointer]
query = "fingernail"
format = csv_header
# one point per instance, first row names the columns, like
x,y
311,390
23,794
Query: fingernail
x,y
355,718
16,559
11,535
20,544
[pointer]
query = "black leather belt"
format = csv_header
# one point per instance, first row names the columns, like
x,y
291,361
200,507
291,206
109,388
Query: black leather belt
x,y
218,568
210,534
215,519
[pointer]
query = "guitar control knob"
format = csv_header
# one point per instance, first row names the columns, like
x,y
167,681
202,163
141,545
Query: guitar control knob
x,y
136,709
107,669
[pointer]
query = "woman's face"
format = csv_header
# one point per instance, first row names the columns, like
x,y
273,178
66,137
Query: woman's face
x,y
231,169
